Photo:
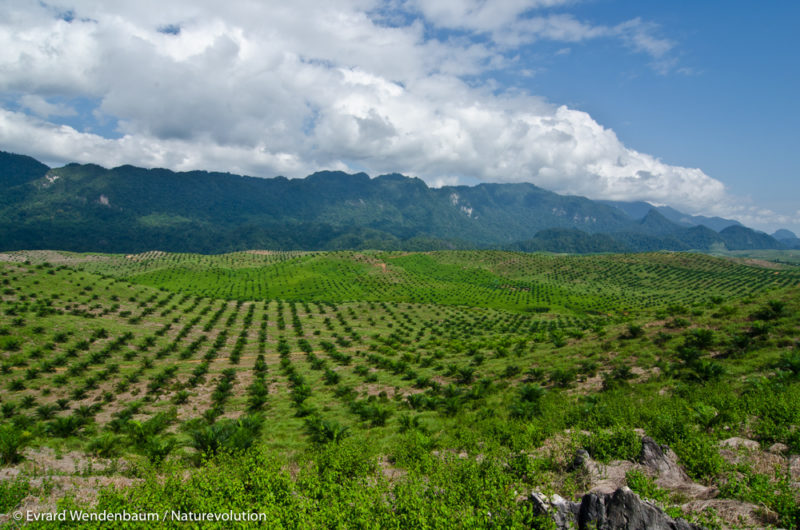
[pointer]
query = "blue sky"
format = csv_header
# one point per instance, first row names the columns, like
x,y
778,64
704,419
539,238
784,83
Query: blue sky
x,y
734,115
690,104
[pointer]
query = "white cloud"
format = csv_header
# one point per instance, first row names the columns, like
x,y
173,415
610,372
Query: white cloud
x,y
480,15
641,36
762,218
57,144
290,88
43,108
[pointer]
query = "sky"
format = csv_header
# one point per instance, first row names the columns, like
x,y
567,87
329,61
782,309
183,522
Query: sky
x,y
684,103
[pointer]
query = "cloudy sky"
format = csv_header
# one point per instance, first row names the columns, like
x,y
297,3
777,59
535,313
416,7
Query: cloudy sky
x,y
685,103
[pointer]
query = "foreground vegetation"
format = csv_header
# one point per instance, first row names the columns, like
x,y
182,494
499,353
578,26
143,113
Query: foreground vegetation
x,y
392,389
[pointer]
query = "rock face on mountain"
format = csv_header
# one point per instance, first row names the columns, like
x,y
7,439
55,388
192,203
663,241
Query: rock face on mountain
x,y
131,209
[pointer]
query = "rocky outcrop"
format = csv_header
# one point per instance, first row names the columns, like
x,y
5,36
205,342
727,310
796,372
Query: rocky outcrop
x,y
663,462
609,504
622,509
657,461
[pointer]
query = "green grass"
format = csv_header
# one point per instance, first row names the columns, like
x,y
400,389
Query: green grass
x,y
371,372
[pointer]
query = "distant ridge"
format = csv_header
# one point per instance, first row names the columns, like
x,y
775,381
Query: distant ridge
x,y
787,238
131,209
638,210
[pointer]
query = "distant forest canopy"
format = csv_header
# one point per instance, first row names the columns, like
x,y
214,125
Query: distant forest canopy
x,y
132,209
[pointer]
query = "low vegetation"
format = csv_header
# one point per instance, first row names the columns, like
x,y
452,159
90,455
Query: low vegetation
x,y
394,390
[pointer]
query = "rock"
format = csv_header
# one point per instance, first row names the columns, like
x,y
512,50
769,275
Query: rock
x,y
663,462
592,508
601,478
622,509
737,451
778,448
626,510
580,460
740,443
563,512
794,467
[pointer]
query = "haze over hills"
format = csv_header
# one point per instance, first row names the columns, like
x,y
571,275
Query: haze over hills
x,y
130,209
787,238
639,209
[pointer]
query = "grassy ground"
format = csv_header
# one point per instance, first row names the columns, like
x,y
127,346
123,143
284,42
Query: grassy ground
x,y
394,388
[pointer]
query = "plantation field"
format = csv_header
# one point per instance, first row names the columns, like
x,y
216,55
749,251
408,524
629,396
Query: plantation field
x,y
374,389
788,257
502,280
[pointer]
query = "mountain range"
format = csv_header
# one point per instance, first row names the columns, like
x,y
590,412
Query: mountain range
x,y
131,209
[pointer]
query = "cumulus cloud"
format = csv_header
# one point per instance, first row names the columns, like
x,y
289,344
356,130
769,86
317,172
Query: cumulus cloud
x,y
41,107
291,88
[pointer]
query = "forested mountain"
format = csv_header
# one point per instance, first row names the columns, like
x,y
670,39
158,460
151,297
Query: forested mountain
x,y
639,209
787,238
129,209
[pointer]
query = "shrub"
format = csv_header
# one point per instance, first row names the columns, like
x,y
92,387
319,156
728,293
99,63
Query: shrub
x,y
12,492
64,426
156,448
12,441
10,344
699,338
699,456
645,487
227,434
322,431
181,397
528,403
106,445
563,377
616,444
776,493
790,362
773,310
634,331
257,395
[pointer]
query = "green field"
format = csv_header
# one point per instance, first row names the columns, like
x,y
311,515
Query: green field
x,y
375,389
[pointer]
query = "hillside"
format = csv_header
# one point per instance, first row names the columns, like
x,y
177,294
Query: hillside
x,y
130,209
400,389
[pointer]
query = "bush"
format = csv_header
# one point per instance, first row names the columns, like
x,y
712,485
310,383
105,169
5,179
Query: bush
x,y
12,492
322,431
616,444
701,339
64,426
346,460
563,377
699,456
644,486
790,362
106,445
12,442
10,344
230,435
773,310
528,403
156,448
776,493
634,331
